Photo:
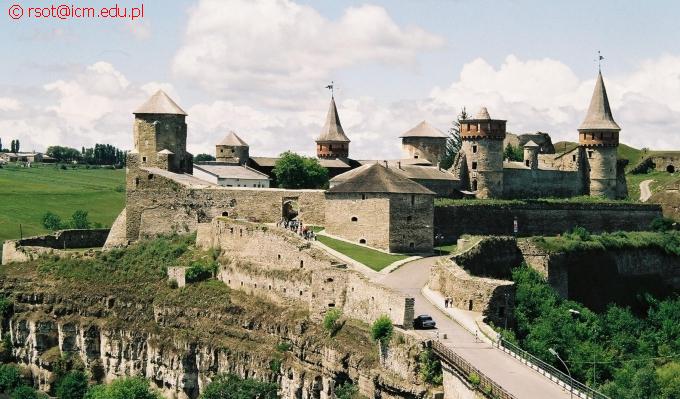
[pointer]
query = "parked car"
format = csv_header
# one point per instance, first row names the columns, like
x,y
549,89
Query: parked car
x,y
424,321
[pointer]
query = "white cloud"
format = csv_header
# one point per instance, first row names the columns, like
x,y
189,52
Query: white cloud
x,y
546,95
282,46
9,104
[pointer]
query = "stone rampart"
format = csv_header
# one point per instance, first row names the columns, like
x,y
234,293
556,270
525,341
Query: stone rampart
x,y
493,298
32,247
541,218
160,202
280,266
537,183
490,257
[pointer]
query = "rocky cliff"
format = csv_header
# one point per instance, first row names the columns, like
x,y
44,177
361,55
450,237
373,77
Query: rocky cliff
x,y
117,313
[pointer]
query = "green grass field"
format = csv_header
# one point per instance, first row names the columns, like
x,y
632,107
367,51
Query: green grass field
x,y
27,193
376,260
660,179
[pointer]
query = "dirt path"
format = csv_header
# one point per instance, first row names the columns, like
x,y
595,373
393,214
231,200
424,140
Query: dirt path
x,y
645,192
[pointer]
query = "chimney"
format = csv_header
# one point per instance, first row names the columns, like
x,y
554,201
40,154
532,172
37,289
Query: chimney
x,y
399,164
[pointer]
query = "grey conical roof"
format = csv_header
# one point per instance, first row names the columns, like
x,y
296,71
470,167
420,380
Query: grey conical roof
x,y
599,116
376,178
424,129
233,140
332,129
160,103
483,113
531,144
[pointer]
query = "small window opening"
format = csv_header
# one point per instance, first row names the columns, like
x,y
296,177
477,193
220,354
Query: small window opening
x,y
354,218
329,280
136,181
409,218
150,177
143,159
225,213
474,166
302,264
573,158
362,241
590,154
526,162
331,305
470,304
474,149
474,185
363,196
411,245
279,256
413,200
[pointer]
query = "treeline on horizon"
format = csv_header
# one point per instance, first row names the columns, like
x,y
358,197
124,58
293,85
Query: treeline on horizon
x,y
100,154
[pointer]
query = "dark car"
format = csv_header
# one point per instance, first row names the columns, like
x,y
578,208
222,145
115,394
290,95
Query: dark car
x,y
424,321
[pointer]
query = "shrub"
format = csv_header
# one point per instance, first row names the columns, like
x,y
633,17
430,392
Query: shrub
x,y
331,321
275,365
97,371
6,349
10,377
26,392
125,388
232,387
72,386
663,224
382,329
579,233
79,220
347,391
52,221
429,367
474,379
284,347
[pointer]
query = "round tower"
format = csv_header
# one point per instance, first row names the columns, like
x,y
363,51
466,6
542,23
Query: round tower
x,y
424,141
531,154
232,149
482,143
332,142
598,142
160,125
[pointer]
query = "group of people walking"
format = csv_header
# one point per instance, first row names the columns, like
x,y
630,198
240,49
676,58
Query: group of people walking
x,y
299,228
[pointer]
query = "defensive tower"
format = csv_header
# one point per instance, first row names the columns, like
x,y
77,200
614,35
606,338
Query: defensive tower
x,y
482,139
424,141
599,141
332,142
531,154
232,149
160,135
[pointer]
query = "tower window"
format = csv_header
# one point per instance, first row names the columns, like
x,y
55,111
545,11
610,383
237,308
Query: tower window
x,y
474,149
413,199
362,241
354,218
411,245
143,159
474,166
474,185
527,162
573,158
590,154
363,196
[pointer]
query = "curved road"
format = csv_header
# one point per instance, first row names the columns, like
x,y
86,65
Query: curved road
x,y
645,192
513,376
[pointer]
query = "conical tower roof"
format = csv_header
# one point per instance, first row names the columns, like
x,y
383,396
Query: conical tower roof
x,y
483,113
424,129
599,116
160,103
332,130
376,178
233,140
531,144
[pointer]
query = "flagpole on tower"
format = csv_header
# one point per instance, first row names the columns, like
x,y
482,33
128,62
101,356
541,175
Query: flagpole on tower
x,y
331,88
599,61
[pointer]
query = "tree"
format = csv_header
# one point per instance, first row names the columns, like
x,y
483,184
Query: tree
x,y
12,146
232,387
63,154
513,153
453,142
382,329
52,221
125,388
331,321
17,146
295,171
26,392
10,377
204,158
79,220
72,386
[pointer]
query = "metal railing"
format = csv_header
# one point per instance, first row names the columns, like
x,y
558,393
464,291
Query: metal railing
x,y
485,384
579,389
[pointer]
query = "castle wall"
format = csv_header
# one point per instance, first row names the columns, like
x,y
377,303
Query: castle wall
x,y
33,247
537,183
411,223
493,257
162,202
452,221
280,266
372,218
493,298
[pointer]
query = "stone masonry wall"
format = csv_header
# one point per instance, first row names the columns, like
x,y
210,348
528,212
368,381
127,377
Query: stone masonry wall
x,y
493,257
411,223
537,183
494,298
452,221
280,266
32,247
162,202
354,219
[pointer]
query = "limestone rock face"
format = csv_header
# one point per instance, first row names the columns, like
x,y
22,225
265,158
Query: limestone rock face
x,y
44,326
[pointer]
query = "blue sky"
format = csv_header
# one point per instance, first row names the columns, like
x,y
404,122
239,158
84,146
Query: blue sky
x,y
259,67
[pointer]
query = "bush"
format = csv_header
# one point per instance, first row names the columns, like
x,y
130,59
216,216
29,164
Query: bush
x,y
284,347
331,321
125,388
200,270
79,220
10,377
275,365
430,368
663,224
474,379
52,221
579,233
72,386
26,392
347,391
97,371
232,387
382,329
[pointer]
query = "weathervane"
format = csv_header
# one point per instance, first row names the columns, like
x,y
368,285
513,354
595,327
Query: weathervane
x,y
599,60
331,87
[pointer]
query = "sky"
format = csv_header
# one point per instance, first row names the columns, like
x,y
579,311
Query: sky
x,y
260,67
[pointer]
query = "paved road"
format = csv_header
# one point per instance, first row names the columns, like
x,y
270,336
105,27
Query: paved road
x,y
516,378
645,192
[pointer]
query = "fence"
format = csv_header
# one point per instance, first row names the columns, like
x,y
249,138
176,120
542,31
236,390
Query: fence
x,y
485,384
578,389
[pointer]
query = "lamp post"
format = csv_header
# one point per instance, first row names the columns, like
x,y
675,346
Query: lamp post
x,y
571,380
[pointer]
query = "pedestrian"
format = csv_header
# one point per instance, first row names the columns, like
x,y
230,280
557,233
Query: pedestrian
x,y
446,302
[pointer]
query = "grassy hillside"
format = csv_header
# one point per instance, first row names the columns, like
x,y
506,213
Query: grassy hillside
x,y
27,193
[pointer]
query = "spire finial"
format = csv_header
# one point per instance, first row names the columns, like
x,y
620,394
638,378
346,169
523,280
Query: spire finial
x,y
599,61
331,88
